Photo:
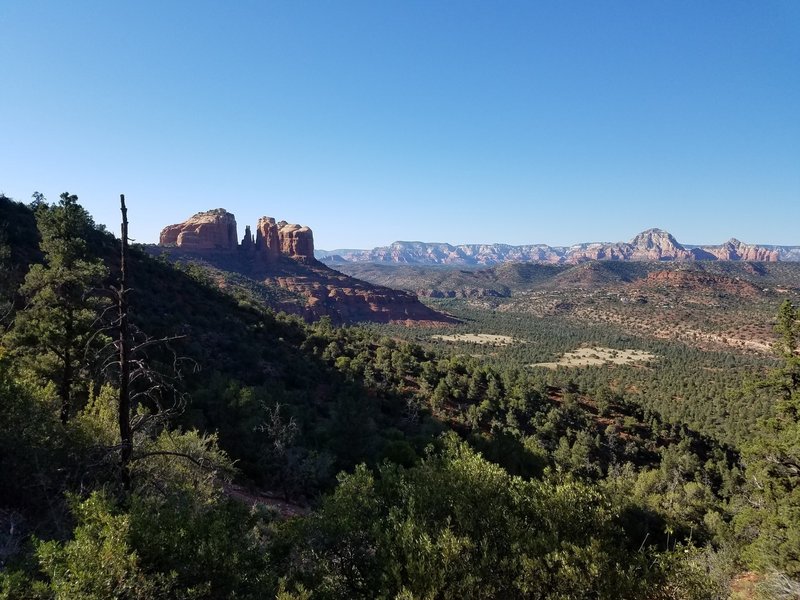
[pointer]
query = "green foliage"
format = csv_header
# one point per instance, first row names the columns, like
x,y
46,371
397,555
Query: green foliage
x,y
57,331
456,525
99,562
768,514
684,384
64,228
785,381
6,283
176,462
40,458
588,484
18,235
216,549
176,535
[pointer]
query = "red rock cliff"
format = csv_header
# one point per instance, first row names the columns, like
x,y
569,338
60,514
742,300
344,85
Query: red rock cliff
x,y
216,230
210,230
296,241
267,243
733,249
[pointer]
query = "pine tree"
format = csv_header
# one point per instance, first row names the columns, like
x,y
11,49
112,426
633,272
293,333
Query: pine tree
x,y
55,331
770,519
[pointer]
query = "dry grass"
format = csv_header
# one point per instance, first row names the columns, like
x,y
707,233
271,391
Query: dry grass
x,y
477,338
585,357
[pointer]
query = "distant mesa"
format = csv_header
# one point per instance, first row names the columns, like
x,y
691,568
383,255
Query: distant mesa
x,y
650,245
215,230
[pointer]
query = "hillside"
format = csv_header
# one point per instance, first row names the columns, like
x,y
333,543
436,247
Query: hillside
x,y
505,279
280,266
719,305
710,325
622,500
652,244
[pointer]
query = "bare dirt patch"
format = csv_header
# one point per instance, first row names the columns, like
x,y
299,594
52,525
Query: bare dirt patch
x,y
586,357
477,338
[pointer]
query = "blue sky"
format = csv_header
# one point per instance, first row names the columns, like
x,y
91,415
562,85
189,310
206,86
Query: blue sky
x,y
517,122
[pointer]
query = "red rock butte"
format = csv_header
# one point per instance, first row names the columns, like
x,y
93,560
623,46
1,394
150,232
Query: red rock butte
x,y
215,230
282,254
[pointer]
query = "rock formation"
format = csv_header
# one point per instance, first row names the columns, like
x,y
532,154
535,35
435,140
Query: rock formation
x,y
296,241
216,230
652,244
247,240
210,230
319,291
657,244
267,244
346,299
733,249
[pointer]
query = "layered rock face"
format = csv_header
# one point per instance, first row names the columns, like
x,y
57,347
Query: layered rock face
x,y
657,244
319,291
216,230
346,299
733,249
652,244
267,243
210,230
295,240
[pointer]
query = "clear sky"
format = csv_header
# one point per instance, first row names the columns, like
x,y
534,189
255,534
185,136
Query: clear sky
x,y
494,121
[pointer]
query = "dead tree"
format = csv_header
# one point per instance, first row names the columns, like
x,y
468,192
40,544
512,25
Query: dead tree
x,y
139,382
125,434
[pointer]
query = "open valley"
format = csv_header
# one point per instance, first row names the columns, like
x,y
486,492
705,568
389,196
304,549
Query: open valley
x,y
417,300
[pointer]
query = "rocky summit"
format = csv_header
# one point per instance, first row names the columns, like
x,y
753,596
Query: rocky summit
x,y
209,230
281,254
733,249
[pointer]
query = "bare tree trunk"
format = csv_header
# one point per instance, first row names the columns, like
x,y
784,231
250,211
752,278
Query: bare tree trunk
x,y
125,434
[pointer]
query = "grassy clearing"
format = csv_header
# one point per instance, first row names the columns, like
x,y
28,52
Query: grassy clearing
x,y
477,338
586,357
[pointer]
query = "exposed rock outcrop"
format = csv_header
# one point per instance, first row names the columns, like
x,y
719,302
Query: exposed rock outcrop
x,y
296,241
346,299
733,249
283,239
210,230
657,244
652,244
247,240
447,254
322,291
267,244
216,230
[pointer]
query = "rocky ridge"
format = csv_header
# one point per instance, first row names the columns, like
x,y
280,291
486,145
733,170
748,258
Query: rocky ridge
x,y
733,249
281,254
652,244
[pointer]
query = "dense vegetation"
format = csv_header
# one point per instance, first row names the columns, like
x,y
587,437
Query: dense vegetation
x,y
410,473
709,390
